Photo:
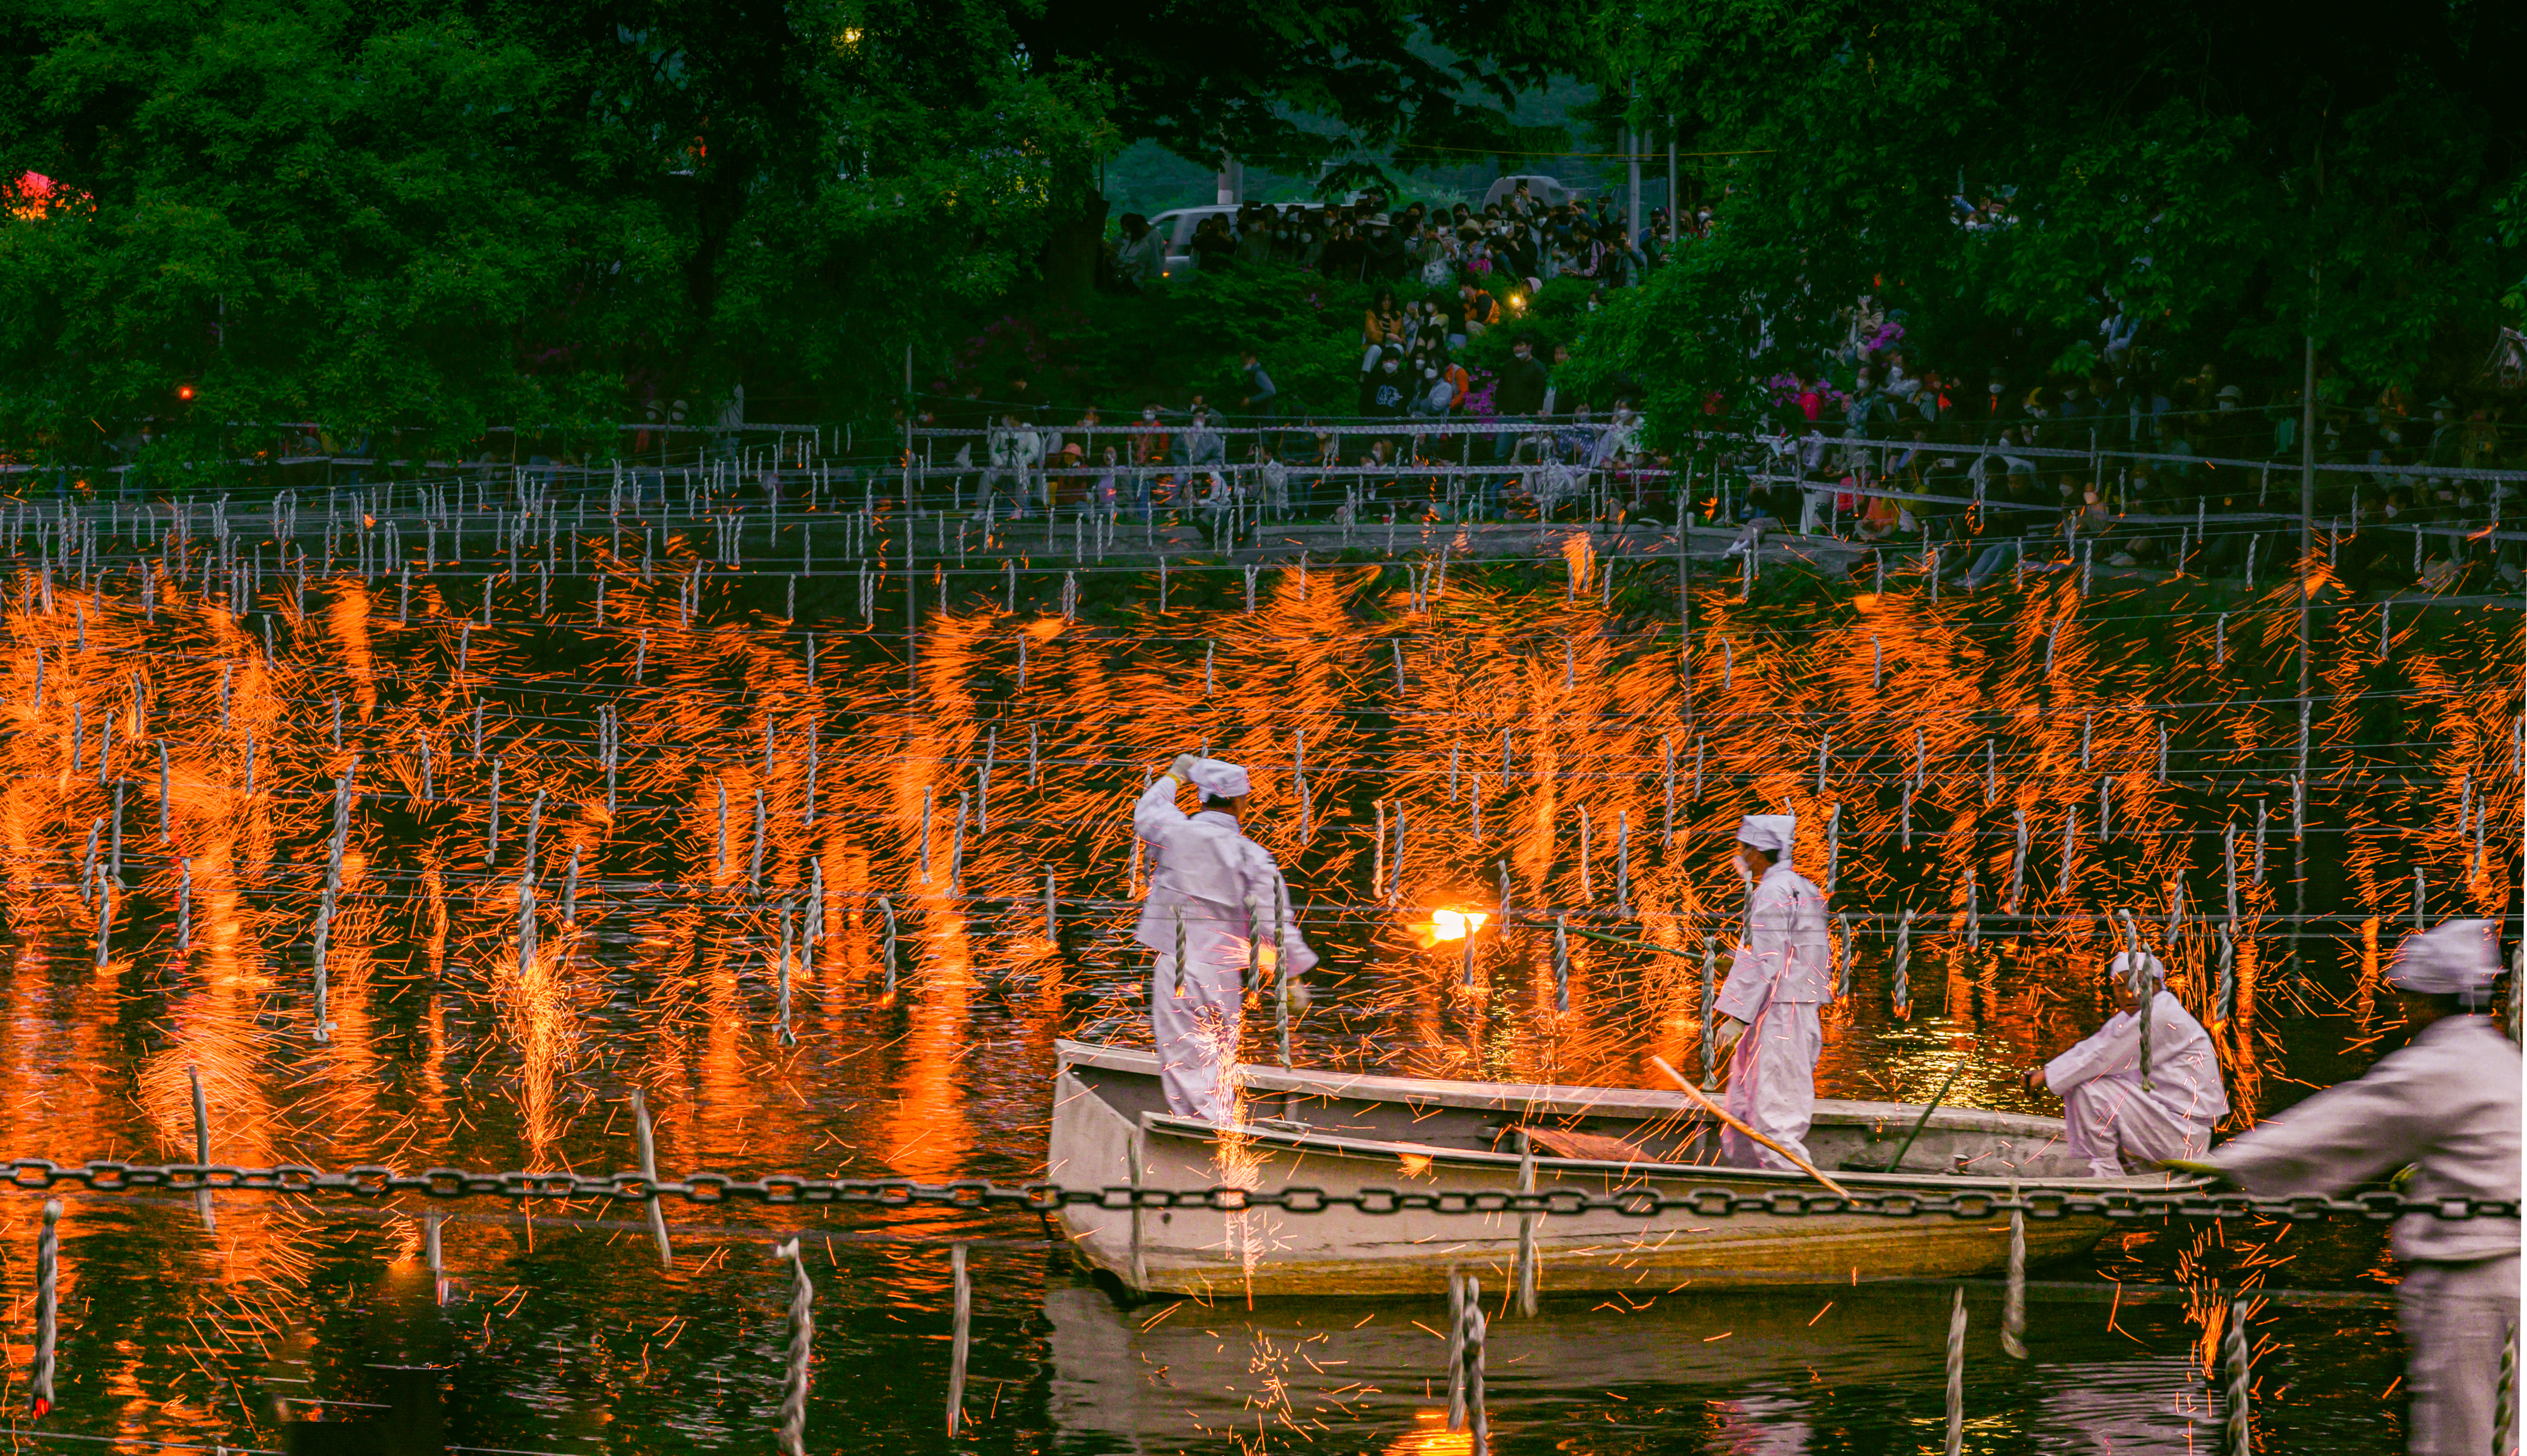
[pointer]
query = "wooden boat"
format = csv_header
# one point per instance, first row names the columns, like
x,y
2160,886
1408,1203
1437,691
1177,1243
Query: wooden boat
x,y
1348,1131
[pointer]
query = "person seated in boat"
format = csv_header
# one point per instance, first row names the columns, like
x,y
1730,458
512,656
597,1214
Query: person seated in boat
x,y
2109,1117
1784,971
1212,892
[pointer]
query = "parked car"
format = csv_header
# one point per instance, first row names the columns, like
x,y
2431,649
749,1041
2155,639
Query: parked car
x,y
1176,226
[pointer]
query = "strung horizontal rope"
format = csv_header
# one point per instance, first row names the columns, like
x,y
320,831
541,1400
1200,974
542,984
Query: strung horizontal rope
x,y
34,1175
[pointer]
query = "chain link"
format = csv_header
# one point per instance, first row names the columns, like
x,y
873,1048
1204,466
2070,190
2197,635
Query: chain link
x,y
36,1175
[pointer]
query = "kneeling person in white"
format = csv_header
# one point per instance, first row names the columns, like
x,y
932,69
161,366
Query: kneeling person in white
x,y
1783,970
2111,1120
1213,892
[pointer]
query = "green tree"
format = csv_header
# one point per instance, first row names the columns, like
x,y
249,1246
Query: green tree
x,y
434,217
2236,178
1299,85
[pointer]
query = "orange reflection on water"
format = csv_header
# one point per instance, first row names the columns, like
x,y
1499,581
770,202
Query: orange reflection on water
x,y
448,1046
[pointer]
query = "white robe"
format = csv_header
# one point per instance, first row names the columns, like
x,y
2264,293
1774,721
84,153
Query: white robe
x,y
2109,1116
1780,975
1224,892
2447,1102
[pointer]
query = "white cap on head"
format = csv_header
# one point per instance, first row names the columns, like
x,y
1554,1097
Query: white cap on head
x,y
1219,778
2135,966
1774,834
2455,958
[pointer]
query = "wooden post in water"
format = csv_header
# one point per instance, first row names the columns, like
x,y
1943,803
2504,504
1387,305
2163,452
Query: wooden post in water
x,y
646,1143
2013,1309
962,1338
202,1147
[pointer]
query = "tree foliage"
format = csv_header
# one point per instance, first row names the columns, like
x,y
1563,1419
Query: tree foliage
x,y
1295,85
2236,178
434,215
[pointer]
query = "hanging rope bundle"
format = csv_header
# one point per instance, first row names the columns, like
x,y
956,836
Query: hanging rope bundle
x,y
2236,1437
1957,1374
803,1335
48,1305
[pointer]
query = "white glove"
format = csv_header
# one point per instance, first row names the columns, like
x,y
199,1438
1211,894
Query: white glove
x,y
1182,768
1730,1029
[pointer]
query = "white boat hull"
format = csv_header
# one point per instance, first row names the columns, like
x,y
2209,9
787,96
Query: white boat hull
x,y
1107,1134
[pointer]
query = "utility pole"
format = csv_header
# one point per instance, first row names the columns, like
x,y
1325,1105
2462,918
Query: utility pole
x,y
1633,154
1674,208
1632,160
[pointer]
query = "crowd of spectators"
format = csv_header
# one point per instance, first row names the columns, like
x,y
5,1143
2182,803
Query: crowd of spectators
x,y
1987,469
1520,236
2128,463
1447,275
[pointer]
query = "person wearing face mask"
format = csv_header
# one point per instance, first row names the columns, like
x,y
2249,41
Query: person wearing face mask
x,y
1621,437
2446,1109
1768,1008
1387,392
1202,442
1149,442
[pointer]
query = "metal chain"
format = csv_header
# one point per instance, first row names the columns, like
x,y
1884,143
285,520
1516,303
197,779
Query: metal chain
x,y
35,1175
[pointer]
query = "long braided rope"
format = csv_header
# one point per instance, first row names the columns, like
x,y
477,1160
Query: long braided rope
x,y
803,1335
1957,1374
2504,1399
2235,1439
1458,1299
48,1302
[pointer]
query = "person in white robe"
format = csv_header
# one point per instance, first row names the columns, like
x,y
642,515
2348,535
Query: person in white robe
x,y
1768,1007
2117,1120
1214,894
2445,1106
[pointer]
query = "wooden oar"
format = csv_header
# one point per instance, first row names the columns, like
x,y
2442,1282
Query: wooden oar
x,y
1714,1108
1936,1098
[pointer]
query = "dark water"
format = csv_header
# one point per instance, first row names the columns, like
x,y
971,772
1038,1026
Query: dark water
x,y
563,1335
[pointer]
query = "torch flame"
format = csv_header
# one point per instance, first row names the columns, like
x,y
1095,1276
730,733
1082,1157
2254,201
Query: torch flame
x,y
1455,925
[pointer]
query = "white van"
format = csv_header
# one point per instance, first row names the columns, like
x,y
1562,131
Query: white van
x,y
1176,226
1544,190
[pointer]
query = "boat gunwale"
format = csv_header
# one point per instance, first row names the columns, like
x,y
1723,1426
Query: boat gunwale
x,y
1366,1086
1194,1129
1555,1099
